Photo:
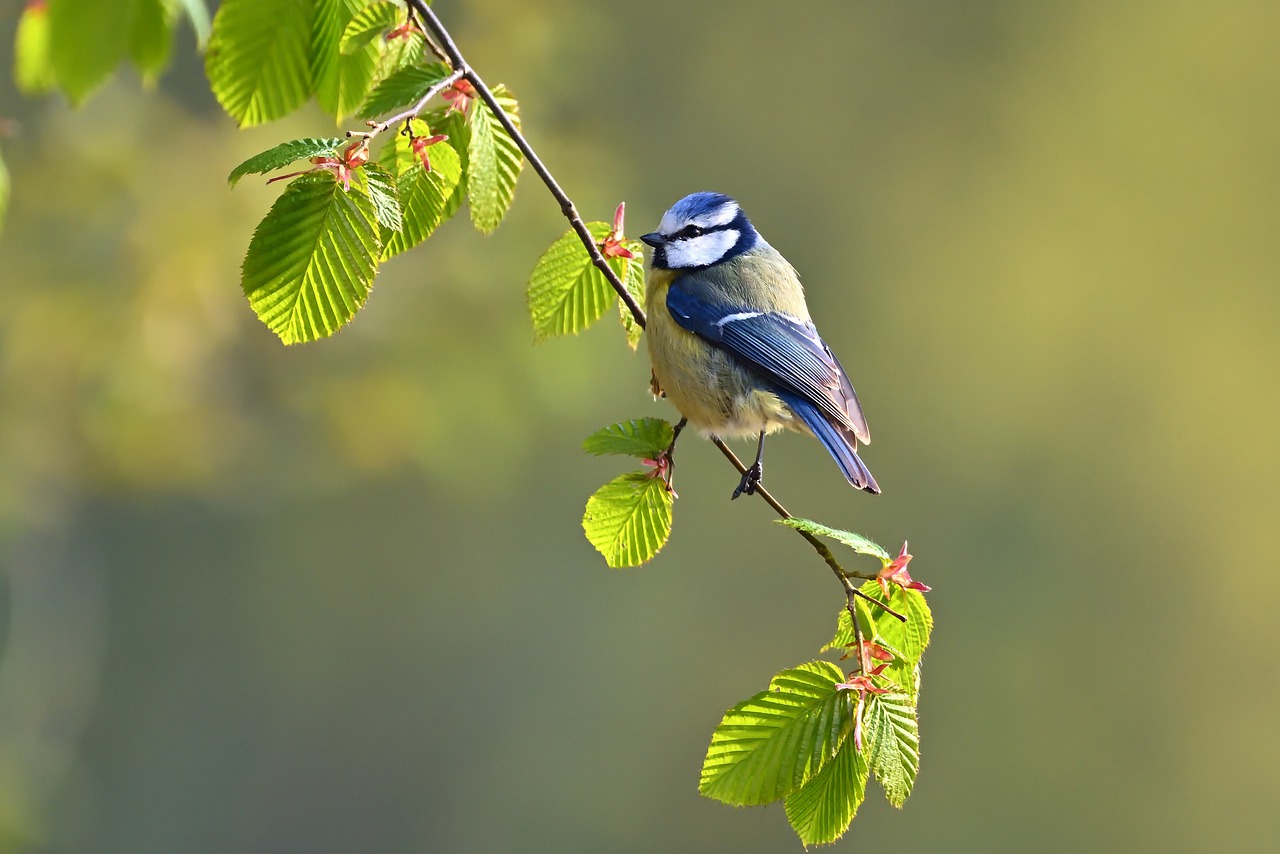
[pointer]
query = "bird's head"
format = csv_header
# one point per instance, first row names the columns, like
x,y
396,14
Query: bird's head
x,y
701,230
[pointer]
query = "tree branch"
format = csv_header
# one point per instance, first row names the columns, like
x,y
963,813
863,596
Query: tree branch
x,y
461,69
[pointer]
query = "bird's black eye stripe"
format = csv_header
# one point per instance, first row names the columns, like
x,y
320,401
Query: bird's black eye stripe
x,y
690,231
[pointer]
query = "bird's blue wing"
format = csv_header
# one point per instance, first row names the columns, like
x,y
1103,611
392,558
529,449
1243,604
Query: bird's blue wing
x,y
784,349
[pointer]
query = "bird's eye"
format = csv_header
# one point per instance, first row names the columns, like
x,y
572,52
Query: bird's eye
x,y
691,231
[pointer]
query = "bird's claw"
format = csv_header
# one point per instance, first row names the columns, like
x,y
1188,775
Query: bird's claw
x,y
750,481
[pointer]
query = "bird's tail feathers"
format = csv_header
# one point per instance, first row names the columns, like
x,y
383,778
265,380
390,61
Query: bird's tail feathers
x,y
840,442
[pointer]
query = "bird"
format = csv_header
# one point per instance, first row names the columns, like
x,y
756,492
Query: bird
x,y
732,344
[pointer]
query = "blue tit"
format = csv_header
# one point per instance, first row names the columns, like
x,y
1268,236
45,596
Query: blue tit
x,y
731,341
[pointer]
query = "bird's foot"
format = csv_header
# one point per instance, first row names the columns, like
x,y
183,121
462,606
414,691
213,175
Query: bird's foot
x,y
750,481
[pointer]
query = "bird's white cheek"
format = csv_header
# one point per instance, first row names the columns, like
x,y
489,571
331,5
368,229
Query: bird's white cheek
x,y
701,251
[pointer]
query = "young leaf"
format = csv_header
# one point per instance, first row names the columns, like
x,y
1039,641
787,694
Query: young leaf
x,y
629,519
402,88
258,61
198,15
454,125
494,162
385,198
892,743
634,280
341,79
907,641
151,39
645,437
312,259
769,746
32,63
567,293
87,39
400,52
822,810
424,195
857,542
284,154
368,24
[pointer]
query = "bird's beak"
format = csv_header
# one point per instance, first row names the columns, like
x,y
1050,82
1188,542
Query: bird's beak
x,y
653,239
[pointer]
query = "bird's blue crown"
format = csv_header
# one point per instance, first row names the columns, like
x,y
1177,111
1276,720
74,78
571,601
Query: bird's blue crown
x,y
701,230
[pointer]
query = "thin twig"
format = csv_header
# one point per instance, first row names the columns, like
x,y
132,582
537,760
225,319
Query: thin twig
x,y
454,57
566,204
436,88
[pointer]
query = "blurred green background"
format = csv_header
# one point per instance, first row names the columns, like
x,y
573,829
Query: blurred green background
x,y
336,597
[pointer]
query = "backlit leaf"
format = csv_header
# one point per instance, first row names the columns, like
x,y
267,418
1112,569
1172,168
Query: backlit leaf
x,y
821,811
284,154
769,746
857,542
424,195
312,260
259,58
567,293
892,743
341,79
634,281
643,437
494,162
33,71
402,89
368,24
629,519
87,40
385,197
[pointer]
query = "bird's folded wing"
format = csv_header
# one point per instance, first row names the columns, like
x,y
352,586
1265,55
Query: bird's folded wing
x,y
782,348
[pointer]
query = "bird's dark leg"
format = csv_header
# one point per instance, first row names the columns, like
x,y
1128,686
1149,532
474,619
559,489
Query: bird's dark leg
x,y
751,479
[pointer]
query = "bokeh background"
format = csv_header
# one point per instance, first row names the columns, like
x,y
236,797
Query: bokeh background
x,y
336,597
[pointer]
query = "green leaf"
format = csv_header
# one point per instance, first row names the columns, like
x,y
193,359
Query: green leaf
x,y
312,260
629,519
385,198
644,438
198,15
4,192
857,542
769,746
33,71
907,641
822,810
494,162
453,124
402,88
341,80
567,293
87,40
368,24
151,39
892,743
284,154
424,195
259,58
634,280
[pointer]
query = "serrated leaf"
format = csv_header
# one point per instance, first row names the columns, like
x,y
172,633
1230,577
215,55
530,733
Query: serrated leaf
x,y
892,743
567,293
643,437
629,519
87,39
284,154
769,746
857,542
454,125
368,24
822,810
634,280
385,197
312,260
198,15
494,162
151,38
400,52
259,58
341,80
907,641
424,196
401,89
33,71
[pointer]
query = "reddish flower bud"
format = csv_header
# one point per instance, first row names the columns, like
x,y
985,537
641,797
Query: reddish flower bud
x,y
612,246
896,572
459,96
420,145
